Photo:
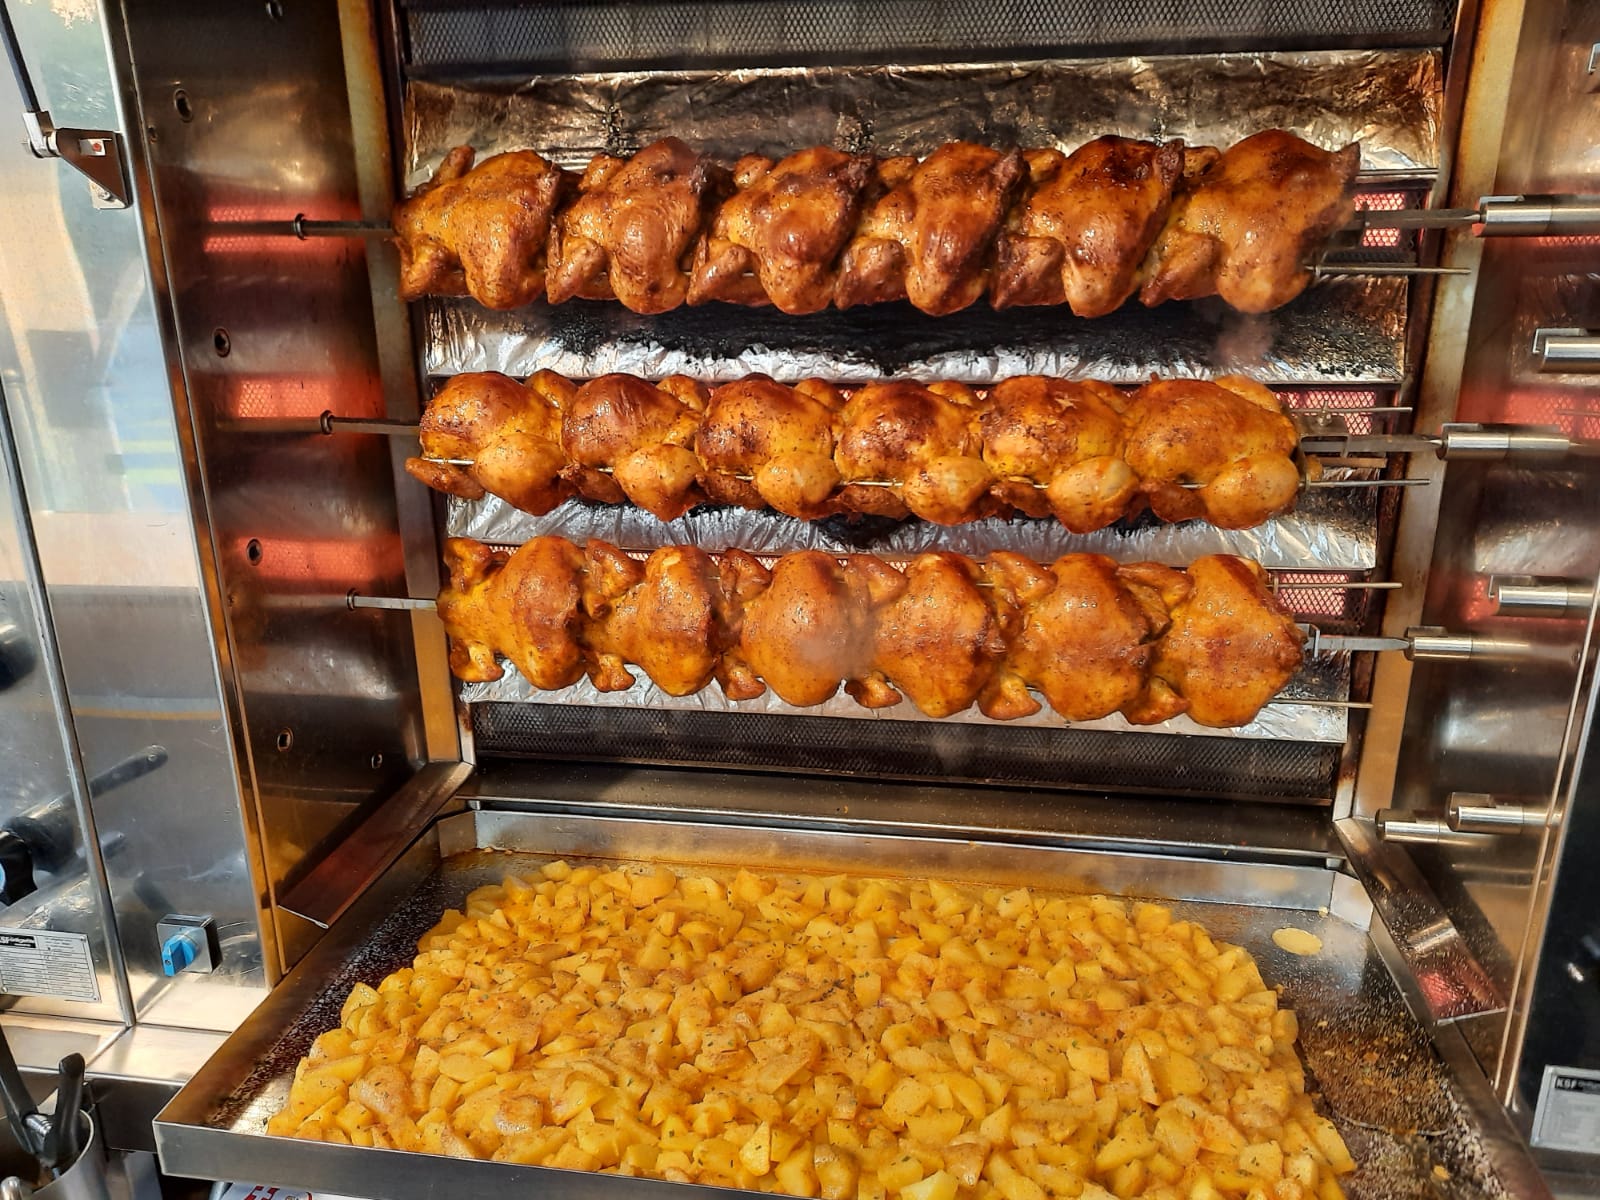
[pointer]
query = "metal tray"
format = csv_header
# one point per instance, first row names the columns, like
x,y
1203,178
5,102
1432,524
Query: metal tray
x,y
1386,1089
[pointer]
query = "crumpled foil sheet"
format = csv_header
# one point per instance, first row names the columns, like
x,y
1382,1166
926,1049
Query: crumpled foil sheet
x,y
1295,716
1348,330
1332,530
1389,99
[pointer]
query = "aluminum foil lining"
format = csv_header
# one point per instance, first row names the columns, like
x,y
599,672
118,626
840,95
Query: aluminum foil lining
x,y
1348,330
1331,530
1308,710
1388,99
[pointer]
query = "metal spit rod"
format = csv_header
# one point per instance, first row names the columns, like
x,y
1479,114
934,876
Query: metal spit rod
x,y
1494,216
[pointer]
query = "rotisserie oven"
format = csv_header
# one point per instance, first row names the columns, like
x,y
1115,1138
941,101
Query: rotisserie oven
x,y
913,601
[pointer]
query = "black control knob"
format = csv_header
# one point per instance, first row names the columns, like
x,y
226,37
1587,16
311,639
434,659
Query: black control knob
x,y
16,869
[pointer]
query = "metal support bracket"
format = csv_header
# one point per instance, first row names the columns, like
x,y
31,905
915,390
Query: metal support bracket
x,y
96,154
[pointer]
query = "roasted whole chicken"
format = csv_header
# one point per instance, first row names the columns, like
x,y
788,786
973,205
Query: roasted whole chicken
x,y
778,238
630,234
820,227
1085,224
1085,453
1091,636
1247,226
480,231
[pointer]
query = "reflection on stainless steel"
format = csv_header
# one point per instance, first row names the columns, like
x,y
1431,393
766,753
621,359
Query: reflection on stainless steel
x,y
1383,1087
1539,216
1569,351
1479,812
1516,443
1529,596
1387,99
1423,829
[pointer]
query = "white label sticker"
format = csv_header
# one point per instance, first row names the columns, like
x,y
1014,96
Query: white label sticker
x,y
42,962
1568,1116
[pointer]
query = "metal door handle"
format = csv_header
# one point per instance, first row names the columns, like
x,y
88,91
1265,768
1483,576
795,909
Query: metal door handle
x,y
1573,351
95,154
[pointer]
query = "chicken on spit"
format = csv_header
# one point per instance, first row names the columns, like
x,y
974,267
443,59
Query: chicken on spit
x,y
1230,648
1057,447
1085,224
765,445
778,238
1247,226
1231,437
626,439
930,236
630,235
1091,636
924,439
1083,452
510,433
479,231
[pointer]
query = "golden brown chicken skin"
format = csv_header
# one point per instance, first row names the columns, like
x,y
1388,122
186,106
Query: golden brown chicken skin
x,y
527,606
781,437
778,238
479,231
1057,448
510,433
630,235
930,237
1232,437
1247,227
1087,644
1089,635
662,614
626,439
1085,224
809,629
1231,647
939,641
924,439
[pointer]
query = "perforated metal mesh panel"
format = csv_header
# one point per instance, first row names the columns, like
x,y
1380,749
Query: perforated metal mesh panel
x,y
450,37
1058,758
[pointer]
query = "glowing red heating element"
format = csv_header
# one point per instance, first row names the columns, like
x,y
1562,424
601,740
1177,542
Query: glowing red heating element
x,y
1335,399
1573,411
322,560
1317,601
261,397
1384,239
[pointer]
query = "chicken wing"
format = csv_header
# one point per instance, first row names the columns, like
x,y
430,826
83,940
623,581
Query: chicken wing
x,y
1231,648
930,237
1066,437
527,606
810,628
630,235
778,238
940,640
1085,224
510,432
626,439
479,231
782,437
663,615
1247,226
925,441
1231,437
1087,643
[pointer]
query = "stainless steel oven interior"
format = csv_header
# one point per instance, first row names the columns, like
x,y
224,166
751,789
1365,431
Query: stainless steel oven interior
x,y
215,729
